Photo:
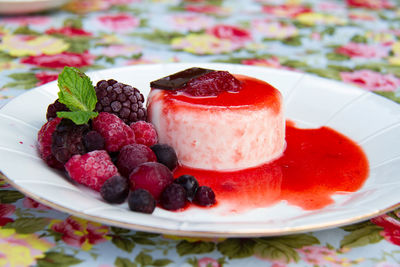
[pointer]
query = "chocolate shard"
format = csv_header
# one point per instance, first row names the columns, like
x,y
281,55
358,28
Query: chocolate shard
x,y
179,79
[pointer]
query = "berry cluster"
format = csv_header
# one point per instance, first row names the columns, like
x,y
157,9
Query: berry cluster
x,y
119,155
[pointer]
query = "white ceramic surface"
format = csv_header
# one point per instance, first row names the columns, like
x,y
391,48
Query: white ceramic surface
x,y
13,7
370,120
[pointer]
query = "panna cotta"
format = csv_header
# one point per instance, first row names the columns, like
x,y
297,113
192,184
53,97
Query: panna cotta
x,y
238,127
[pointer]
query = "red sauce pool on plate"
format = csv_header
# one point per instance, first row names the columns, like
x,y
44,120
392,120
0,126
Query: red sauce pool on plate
x,y
316,164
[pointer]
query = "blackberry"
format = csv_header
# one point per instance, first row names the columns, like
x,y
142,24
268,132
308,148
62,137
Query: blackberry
x,y
52,109
204,196
120,99
67,140
93,141
173,197
115,189
190,184
142,201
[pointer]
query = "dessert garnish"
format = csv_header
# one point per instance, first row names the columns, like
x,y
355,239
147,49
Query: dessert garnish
x,y
199,82
78,94
120,99
99,136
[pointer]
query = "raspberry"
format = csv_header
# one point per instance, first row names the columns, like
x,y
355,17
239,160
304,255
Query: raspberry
x,y
115,189
91,169
165,155
142,201
120,99
132,156
204,196
114,131
67,140
44,143
145,133
53,108
173,197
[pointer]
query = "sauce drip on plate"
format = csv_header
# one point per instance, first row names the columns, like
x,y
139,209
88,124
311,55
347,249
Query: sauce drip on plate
x,y
316,164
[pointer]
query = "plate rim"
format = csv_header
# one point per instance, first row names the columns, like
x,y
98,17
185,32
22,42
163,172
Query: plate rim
x,y
225,234
248,232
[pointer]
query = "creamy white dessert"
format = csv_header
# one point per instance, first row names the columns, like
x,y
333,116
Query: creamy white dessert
x,y
230,131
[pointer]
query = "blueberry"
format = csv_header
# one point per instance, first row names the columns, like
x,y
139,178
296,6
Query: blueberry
x,y
189,183
93,141
141,200
115,189
165,155
173,197
204,196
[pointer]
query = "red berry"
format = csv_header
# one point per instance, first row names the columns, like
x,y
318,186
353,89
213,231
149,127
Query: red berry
x,y
152,176
91,169
145,133
115,132
212,84
204,196
44,143
199,82
132,156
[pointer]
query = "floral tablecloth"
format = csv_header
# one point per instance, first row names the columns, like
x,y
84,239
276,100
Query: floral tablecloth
x,y
355,41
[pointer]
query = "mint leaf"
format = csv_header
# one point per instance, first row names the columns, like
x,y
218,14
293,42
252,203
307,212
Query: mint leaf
x,y
78,94
78,117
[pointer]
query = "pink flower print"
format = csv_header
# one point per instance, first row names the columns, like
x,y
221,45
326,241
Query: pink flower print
x,y
229,32
272,62
207,9
191,22
318,255
391,228
33,204
119,22
207,262
360,50
330,6
273,29
362,16
45,77
5,211
121,2
21,249
121,50
316,36
284,11
80,233
60,60
26,20
371,4
69,31
371,80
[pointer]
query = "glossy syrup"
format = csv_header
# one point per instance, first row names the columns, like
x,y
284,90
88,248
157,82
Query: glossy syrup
x,y
316,164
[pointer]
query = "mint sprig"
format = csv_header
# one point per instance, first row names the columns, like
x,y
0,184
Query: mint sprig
x,y
78,94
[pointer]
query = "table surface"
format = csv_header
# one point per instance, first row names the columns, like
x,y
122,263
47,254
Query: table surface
x,y
354,41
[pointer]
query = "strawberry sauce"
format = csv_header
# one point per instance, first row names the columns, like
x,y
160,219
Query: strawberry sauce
x,y
316,164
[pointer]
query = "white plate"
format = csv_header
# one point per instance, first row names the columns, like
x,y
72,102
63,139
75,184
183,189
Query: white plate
x,y
8,7
370,120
